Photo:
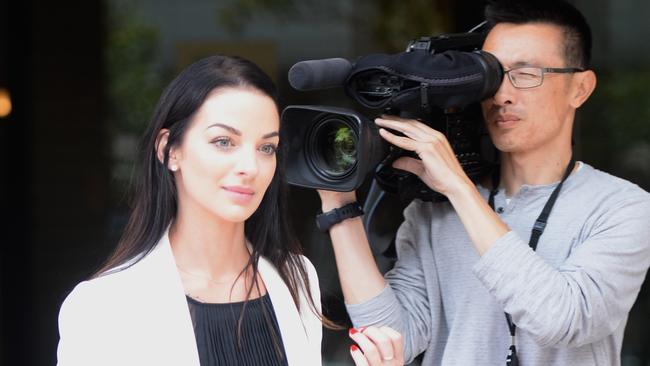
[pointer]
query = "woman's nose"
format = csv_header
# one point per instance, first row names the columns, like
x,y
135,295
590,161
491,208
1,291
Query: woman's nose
x,y
247,163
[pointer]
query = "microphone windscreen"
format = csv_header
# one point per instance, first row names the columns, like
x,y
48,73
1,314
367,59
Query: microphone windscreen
x,y
319,74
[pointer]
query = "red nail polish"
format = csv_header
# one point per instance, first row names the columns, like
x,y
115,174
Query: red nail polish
x,y
353,331
353,348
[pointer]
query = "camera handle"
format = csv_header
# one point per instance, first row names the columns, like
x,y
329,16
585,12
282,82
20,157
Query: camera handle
x,y
383,215
375,195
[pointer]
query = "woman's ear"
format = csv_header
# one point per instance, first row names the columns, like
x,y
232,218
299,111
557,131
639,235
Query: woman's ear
x,y
161,145
585,83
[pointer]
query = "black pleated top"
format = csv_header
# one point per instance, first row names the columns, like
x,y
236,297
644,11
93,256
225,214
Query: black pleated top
x,y
215,328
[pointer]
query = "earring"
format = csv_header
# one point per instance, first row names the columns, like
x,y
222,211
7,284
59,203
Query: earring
x,y
173,168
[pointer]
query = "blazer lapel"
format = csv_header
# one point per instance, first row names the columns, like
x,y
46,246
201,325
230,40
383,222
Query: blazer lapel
x,y
172,306
169,303
292,329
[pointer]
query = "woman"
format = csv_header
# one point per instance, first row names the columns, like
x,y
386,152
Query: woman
x,y
206,271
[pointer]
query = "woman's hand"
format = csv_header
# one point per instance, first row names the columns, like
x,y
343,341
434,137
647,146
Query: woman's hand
x,y
377,346
438,167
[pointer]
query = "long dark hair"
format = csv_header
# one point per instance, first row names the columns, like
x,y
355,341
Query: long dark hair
x,y
154,204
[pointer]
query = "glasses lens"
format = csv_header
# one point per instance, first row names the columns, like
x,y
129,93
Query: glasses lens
x,y
526,77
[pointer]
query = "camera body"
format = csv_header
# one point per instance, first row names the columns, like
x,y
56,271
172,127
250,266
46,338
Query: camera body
x,y
437,80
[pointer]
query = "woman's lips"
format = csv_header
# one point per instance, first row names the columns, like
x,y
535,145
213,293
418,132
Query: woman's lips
x,y
242,195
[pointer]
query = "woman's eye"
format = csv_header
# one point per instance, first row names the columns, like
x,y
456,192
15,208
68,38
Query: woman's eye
x,y
222,142
268,149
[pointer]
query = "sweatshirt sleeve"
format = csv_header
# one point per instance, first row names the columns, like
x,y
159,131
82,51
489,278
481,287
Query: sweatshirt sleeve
x,y
403,304
589,295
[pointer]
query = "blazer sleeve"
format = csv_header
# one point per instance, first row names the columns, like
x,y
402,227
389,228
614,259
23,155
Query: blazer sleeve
x,y
78,336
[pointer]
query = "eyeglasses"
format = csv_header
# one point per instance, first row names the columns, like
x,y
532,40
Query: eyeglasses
x,y
527,77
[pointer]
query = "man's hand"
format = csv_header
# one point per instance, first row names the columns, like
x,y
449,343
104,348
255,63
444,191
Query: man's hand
x,y
377,346
331,199
438,168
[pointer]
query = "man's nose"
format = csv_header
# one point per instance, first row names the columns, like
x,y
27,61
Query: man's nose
x,y
506,92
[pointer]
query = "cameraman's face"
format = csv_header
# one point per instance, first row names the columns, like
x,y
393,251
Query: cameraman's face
x,y
538,119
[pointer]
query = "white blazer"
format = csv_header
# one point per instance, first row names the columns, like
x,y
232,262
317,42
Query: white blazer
x,y
140,316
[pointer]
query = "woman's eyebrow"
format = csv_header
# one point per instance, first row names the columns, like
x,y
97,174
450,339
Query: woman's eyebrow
x,y
229,128
238,133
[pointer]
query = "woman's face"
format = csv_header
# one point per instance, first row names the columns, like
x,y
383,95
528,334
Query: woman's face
x,y
227,157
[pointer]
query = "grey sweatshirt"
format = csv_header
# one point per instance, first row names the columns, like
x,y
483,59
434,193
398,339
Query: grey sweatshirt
x,y
569,299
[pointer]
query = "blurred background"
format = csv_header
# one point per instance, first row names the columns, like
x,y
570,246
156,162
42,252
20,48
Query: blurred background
x,y
78,83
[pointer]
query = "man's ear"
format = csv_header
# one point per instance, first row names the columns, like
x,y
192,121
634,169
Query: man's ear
x,y
584,85
161,144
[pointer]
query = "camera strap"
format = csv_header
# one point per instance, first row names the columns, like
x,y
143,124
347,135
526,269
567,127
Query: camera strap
x,y
536,233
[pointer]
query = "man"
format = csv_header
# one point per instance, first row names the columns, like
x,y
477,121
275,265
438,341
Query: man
x,y
567,286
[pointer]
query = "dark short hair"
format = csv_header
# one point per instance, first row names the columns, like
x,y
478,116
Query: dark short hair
x,y
577,34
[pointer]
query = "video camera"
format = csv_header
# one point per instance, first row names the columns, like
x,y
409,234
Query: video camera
x,y
437,80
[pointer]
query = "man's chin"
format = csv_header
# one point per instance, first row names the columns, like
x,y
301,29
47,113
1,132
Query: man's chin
x,y
507,146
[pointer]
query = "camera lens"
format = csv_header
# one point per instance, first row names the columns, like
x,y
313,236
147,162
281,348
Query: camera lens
x,y
332,147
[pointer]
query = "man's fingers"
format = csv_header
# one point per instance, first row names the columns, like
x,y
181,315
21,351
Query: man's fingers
x,y
410,165
393,118
405,143
409,127
418,142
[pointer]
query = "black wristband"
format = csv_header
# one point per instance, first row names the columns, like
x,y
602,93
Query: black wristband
x,y
326,220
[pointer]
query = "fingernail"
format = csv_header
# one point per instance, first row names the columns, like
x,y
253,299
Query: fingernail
x,y
353,348
353,331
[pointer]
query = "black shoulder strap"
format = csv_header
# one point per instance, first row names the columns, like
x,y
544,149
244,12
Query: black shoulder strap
x,y
536,233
